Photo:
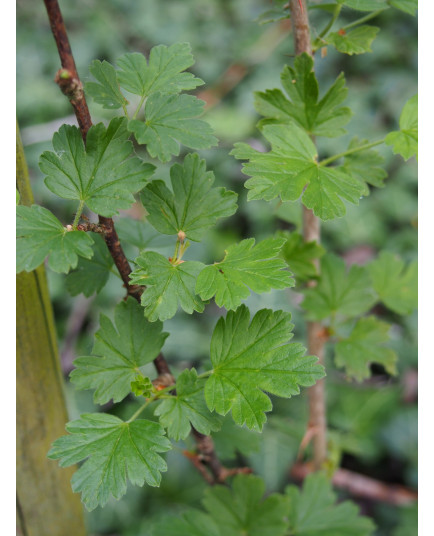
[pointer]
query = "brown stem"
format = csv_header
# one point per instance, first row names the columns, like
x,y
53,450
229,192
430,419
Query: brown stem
x,y
69,82
311,231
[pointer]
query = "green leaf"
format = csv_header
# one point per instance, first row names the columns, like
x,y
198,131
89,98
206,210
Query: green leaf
x,y
339,292
290,170
365,5
313,511
100,174
244,267
243,511
191,523
106,91
324,117
188,408
357,41
250,359
366,166
279,11
113,449
404,141
364,346
169,121
142,386
300,255
141,235
40,233
163,73
92,274
118,353
395,283
408,6
194,206
168,285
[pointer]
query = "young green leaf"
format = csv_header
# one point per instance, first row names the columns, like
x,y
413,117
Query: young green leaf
x,y
92,274
290,170
357,41
194,206
118,353
366,166
404,141
188,408
113,449
191,523
243,511
313,511
168,285
142,386
365,5
106,91
395,283
244,267
324,117
169,121
299,255
339,292
364,346
408,6
163,73
102,174
40,233
250,359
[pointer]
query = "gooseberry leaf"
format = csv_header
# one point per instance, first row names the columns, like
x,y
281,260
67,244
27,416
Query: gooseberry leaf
x,y
290,170
313,511
163,73
190,523
119,352
357,41
395,283
242,510
40,234
339,292
323,117
250,358
408,6
142,386
92,274
365,5
366,345
187,408
171,120
112,449
101,174
299,255
106,91
245,266
168,285
193,206
404,141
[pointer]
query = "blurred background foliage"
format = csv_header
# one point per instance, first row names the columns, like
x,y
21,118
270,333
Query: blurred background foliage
x,y
373,425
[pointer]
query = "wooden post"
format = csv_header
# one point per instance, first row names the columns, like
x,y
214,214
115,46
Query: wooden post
x,y
46,505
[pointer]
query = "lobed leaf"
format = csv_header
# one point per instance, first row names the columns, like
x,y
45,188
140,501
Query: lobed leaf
x,y
102,174
92,274
187,408
395,283
245,266
323,117
106,91
365,5
290,170
168,285
194,206
250,358
119,352
113,449
299,255
313,511
40,234
408,6
404,141
190,523
364,346
171,120
357,41
163,73
339,292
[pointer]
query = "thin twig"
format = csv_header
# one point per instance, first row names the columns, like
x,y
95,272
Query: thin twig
x,y
312,231
69,82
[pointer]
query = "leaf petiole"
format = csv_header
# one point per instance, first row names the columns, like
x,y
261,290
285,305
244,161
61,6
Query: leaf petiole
x,y
142,100
358,149
78,215
362,19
